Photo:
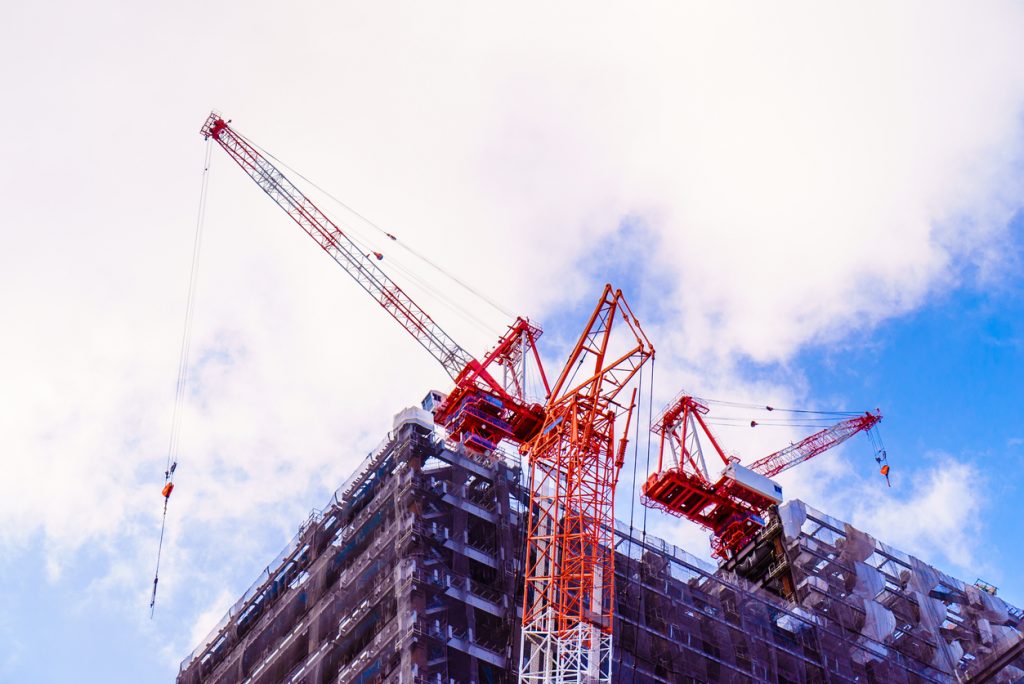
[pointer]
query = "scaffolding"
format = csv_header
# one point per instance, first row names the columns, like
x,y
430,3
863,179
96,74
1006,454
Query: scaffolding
x,y
413,574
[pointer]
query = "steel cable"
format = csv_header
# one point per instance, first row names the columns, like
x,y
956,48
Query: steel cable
x,y
174,442
390,236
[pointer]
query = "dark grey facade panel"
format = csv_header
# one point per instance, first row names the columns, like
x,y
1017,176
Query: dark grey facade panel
x,y
412,574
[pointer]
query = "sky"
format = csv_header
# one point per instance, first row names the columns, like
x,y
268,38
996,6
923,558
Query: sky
x,y
807,206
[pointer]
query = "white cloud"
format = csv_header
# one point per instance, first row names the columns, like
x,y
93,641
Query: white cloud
x,y
806,171
933,510
939,517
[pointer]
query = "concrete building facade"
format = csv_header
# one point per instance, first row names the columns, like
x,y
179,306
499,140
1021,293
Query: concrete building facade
x,y
412,574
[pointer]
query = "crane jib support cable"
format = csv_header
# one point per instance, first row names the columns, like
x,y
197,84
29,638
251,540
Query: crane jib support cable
x,y
422,257
340,247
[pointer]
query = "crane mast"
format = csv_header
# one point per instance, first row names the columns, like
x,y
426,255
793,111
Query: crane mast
x,y
574,465
732,504
480,412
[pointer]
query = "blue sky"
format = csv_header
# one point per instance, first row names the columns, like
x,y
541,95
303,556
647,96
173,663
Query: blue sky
x,y
806,206
949,378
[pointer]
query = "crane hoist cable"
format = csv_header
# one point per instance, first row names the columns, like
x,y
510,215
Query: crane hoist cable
x,y
647,467
633,490
174,442
881,458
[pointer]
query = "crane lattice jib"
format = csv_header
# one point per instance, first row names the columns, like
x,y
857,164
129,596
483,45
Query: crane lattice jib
x,y
809,447
341,248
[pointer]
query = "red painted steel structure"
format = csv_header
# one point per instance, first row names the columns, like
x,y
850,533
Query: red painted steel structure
x,y
727,506
574,463
574,466
809,447
480,412
687,488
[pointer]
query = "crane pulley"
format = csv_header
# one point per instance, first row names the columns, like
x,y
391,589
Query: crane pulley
x,y
731,504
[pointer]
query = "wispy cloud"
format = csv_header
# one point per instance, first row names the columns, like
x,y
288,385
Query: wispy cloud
x,y
939,517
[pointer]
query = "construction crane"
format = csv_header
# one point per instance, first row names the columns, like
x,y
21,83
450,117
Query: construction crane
x,y
570,442
574,465
733,503
480,411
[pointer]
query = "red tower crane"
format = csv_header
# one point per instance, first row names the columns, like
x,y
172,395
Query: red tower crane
x,y
731,504
574,462
480,411
574,465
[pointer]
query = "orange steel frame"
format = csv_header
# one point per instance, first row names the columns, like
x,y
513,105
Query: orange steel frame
x,y
574,466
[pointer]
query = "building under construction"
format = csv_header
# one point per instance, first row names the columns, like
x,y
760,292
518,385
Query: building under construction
x,y
414,573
